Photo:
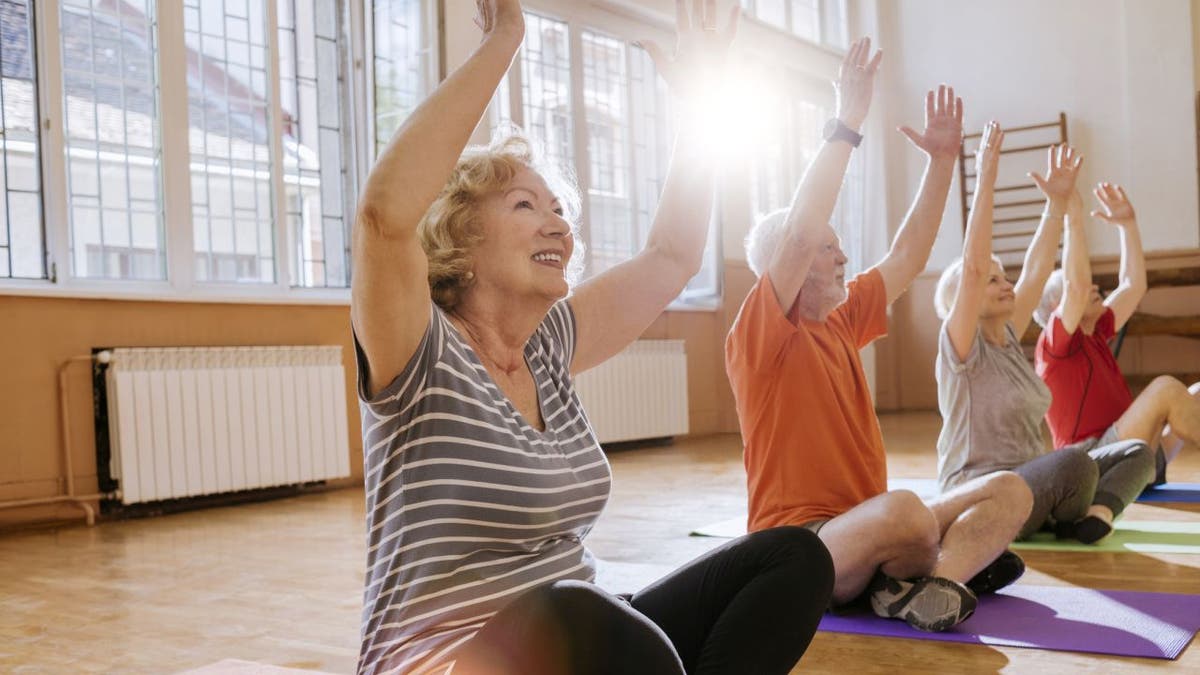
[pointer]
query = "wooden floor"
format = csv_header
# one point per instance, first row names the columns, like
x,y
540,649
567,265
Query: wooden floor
x,y
280,582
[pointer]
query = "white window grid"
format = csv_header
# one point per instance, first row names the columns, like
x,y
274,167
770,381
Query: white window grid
x,y
113,148
624,139
403,61
317,141
22,243
165,265
819,21
229,113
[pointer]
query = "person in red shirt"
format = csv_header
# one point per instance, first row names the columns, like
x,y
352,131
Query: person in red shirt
x,y
1092,404
813,449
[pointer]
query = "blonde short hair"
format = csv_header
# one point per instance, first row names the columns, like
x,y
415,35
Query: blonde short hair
x,y
947,287
763,239
452,228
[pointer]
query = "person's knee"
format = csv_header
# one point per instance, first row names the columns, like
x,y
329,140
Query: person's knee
x,y
1012,494
1165,390
1078,463
909,521
802,552
566,597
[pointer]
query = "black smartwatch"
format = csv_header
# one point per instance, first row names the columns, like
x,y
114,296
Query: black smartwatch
x,y
836,131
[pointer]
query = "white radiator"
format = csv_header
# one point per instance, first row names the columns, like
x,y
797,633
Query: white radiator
x,y
196,421
639,393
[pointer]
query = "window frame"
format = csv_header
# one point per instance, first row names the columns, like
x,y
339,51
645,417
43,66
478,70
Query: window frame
x,y
179,251
628,25
824,39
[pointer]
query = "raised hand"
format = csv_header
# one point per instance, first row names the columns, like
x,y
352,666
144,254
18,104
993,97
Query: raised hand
x,y
856,83
495,16
987,158
1116,208
700,49
1063,168
943,125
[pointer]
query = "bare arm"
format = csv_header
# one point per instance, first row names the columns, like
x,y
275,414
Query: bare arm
x,y
963,322
389,306
1117,210
1058,185
940,143
1077,267
614,308
813,203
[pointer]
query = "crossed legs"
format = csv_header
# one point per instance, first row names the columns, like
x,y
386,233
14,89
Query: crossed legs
x,y
953,536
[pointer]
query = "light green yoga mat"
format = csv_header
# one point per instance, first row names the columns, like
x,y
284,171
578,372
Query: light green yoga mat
x,y
1129,536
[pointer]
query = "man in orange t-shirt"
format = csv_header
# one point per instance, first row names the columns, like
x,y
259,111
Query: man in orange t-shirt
x,y
813,450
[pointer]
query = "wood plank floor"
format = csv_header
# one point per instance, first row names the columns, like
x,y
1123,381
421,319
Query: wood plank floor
x,y
280,582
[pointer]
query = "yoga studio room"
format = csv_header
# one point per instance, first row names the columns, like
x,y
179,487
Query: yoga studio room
x,y
591,337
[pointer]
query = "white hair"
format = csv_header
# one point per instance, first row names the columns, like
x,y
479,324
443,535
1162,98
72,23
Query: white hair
x,y
763,240
1051,297
947,287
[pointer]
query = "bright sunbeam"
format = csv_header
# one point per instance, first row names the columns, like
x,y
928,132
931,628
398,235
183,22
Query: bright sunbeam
x,y
743,114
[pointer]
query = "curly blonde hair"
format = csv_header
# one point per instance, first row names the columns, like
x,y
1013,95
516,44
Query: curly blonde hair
x,y
452,226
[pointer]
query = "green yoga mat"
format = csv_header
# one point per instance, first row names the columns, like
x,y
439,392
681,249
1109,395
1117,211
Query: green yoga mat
x,y
1129,536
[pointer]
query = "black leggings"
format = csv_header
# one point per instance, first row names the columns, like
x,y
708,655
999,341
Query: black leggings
x,y
750,606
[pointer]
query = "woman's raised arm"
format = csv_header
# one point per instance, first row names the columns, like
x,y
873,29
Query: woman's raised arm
x,y
390,296
614,308
963,322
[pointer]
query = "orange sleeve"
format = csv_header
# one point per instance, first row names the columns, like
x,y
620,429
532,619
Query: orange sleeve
x,y
865,309
761,330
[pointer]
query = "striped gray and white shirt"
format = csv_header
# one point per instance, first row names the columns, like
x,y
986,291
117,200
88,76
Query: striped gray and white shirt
x,y
468,505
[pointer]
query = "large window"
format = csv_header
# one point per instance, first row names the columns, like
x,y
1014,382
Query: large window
x,y
196,144
820,21
621,156
22,246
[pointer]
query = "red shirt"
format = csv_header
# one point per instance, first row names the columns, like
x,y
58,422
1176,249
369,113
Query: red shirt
x,y
813,445
1083,376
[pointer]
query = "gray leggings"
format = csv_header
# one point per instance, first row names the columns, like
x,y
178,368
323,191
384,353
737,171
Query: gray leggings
x,y
1067,481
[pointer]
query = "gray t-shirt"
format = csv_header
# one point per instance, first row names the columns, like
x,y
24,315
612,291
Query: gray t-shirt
x,y
992,405
468,505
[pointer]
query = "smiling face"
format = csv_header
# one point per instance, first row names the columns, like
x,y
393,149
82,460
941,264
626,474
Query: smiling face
x,y
527,242
825,286
998,296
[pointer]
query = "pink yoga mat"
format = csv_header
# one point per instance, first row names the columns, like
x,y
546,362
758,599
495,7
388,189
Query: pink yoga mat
x,y
1060,618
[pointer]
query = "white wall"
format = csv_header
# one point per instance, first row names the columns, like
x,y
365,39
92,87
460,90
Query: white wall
x,y
1122,70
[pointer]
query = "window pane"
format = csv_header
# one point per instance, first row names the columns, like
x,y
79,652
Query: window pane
x,y
402,58
112,139
230,140
833,23
316,176
22,242
546,87
652,136
613,235
773,12
806,19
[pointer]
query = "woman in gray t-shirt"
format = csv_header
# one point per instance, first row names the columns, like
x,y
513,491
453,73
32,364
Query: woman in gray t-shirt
x,y
992,402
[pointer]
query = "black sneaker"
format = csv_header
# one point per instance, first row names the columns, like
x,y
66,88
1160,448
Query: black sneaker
x,y
1005,569
1091,529
931,604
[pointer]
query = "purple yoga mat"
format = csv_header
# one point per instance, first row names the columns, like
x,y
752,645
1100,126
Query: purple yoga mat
x,y
1060,618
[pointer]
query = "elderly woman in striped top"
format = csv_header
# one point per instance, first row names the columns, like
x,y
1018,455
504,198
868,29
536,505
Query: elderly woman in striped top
x,y
482,472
